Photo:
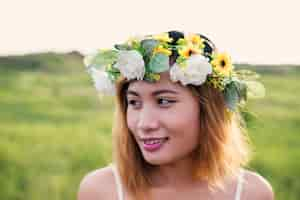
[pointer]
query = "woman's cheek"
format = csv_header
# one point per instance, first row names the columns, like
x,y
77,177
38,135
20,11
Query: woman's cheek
x,y
131,120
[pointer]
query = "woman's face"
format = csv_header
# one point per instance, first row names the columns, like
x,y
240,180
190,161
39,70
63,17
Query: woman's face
x,y
164,110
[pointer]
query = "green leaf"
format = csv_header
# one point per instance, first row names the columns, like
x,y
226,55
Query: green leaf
x,y
113,75
122,47
148,46
158,63
104,58
231,96
242,90
149,77
136,45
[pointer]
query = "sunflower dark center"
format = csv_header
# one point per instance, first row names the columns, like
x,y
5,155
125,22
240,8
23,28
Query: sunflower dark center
x,y
223,63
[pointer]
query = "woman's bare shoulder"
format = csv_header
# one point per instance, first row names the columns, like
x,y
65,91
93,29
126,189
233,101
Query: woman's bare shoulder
x,y
96,185
256,187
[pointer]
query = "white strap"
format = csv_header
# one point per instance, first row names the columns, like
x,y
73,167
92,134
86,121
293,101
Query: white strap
x,y
239,186
118,182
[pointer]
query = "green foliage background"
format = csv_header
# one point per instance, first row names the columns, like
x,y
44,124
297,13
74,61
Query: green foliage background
x,y
54,129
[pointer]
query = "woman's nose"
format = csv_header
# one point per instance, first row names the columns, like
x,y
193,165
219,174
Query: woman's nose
x,y
148,120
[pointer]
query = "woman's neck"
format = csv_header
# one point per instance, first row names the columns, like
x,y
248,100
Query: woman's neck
x,y
175,175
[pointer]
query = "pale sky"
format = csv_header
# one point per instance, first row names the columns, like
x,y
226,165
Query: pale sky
x,y
253,31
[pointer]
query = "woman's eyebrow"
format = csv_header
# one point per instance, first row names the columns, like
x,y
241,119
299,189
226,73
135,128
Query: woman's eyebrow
x,y
157,92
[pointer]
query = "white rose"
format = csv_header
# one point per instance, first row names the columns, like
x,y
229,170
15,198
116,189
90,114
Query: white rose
x,y
131,64
101,81
196,71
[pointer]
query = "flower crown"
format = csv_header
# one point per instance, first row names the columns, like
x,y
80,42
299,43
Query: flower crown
x,y
196,61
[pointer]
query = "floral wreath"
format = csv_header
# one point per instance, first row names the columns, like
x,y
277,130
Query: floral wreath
x,y
197,62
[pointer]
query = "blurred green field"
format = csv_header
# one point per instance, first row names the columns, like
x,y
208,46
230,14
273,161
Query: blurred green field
x,y
54,129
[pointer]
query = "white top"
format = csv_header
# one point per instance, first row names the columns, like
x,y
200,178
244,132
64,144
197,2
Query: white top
x,y
121,194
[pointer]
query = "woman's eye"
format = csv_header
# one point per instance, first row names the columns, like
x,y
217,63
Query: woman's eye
x,y
161,101
165,101
133,103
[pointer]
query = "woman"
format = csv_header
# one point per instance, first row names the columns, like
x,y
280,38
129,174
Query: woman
x,y
177,133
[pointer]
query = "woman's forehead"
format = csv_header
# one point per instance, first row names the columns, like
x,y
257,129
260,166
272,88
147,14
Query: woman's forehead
x,y
164,83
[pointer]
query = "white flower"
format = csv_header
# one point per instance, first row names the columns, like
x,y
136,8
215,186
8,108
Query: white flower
x,y
255,90
101,81
196,71
131,64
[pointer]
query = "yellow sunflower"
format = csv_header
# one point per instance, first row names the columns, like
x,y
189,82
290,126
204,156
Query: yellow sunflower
x,y
222,63
161,49
163,37
195,40
187,50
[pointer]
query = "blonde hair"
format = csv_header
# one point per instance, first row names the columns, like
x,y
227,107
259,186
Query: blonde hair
x,y
224,146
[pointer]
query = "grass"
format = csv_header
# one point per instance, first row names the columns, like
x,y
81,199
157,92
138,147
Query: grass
x,y
275,133
54,129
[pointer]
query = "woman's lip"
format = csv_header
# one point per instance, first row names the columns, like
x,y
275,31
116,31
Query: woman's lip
x,y
155,146
153,138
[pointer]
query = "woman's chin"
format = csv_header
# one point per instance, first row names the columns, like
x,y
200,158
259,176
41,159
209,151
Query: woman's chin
x,y
157,159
